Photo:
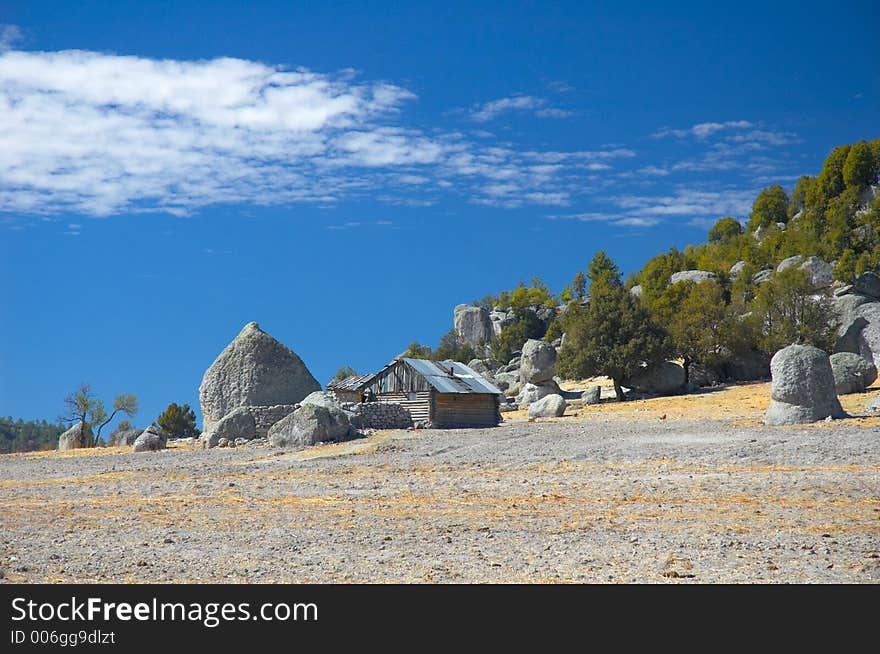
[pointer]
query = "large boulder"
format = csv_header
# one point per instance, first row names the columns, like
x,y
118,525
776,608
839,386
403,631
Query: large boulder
x,y
76,437
859,330
238,423
500,319
658,379
702,375
868,284
151,439
745,366
852,373
320,398
538,362
123,437
548,407
472,325
531,393
790,262
593,395
803,387
308,425
506,380
254,369
695,276
821,272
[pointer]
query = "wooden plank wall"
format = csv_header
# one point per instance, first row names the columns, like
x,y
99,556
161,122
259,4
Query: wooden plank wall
x,y
419,408
466,410
399,378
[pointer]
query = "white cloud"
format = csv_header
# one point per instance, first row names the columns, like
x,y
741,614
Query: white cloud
x,y
688,203
538,106
614,218
102,134
703,130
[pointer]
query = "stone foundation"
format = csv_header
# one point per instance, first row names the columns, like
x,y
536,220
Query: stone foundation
x,y
380,415
266,416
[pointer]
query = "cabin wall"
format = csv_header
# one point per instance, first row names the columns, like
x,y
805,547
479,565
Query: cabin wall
x,y
465,410
399,378
418,404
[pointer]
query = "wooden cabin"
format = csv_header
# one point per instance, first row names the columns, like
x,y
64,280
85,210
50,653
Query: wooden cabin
x,y
446,393
350,389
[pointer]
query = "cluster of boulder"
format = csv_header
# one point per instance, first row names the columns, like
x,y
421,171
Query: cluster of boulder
x,y
529,380
258,388
529,377
142,440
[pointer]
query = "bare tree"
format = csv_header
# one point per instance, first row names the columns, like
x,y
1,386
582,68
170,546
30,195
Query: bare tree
x,y
87,410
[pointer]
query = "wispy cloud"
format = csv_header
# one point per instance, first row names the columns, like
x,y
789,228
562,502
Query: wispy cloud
x,y
689,203
102,134
538,106
703,130
355,224
618,219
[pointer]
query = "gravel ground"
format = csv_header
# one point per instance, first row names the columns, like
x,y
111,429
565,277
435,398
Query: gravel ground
x,y
564,500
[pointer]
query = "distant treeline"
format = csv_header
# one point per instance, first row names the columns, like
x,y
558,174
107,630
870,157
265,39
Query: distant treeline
x,y
25,436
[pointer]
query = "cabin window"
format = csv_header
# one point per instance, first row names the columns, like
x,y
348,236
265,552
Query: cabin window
x,y
411,396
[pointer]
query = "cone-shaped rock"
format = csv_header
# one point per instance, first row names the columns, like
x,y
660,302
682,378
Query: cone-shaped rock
x,y
253,370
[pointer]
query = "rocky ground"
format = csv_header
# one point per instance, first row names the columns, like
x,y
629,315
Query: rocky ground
x,y
650,491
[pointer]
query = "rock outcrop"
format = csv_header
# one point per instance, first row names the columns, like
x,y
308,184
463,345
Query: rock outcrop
x,y
254,369
472,325
76,437
790,262
803,387
308,425
548,407
123,438
867,284
151,439
238,423
593,395
821,272
659,379
859,330
531,393
695,276
852,373
538,362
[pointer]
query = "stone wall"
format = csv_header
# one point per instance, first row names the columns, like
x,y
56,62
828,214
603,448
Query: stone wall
x,y
380,415
266,416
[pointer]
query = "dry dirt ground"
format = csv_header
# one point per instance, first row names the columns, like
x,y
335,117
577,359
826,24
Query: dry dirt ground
x,y
686,489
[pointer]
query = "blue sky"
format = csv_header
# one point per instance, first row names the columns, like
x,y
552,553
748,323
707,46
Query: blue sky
x,y
346,173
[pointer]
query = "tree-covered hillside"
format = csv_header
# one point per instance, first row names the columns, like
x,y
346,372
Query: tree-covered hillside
x,y
726,304
24,436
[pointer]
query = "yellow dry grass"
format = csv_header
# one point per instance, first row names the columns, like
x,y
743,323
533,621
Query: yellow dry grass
x,y
742,404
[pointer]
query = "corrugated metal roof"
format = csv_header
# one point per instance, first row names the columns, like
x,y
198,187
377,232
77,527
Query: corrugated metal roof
x,y
353,383
451,376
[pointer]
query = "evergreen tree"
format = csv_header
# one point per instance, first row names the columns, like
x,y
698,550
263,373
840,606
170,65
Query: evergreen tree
x,y
725,229
178,421
787,311
858,169
614,334
693,314
771,207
